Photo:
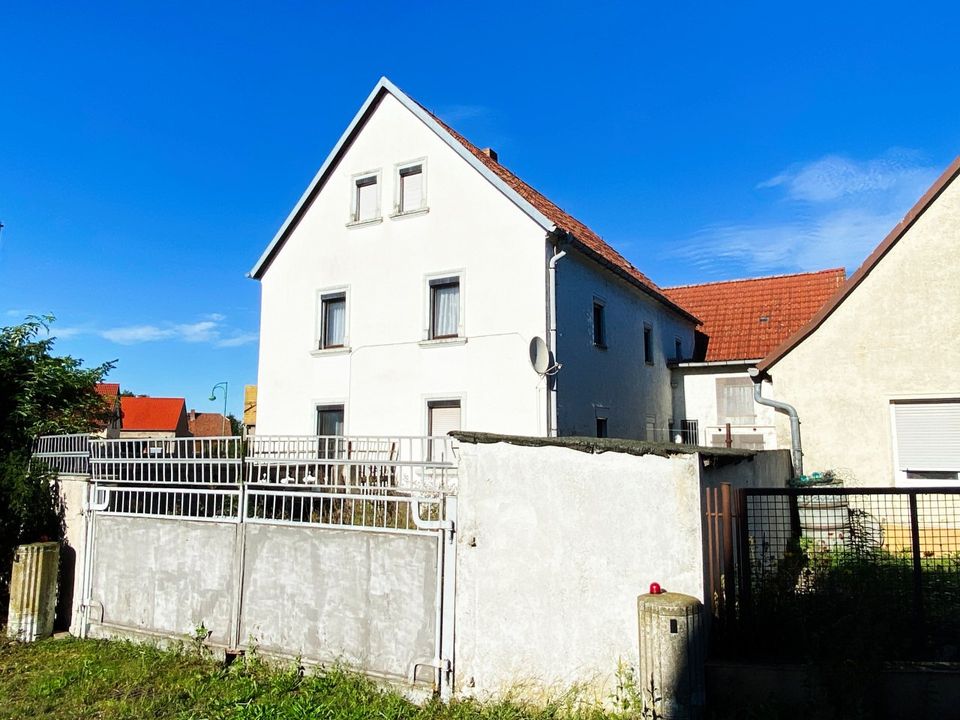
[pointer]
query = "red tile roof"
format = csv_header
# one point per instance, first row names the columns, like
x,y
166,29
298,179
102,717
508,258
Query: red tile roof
x,y
148,413
746,319
208,424
108,389
587,238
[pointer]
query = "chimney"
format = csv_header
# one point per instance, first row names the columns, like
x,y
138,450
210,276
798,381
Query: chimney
x,y
490,153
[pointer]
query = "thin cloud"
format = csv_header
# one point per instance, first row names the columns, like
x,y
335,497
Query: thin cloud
x,y
457,113
212,330
831,213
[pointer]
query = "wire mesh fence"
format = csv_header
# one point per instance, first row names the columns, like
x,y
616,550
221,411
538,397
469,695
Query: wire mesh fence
x,y
873,572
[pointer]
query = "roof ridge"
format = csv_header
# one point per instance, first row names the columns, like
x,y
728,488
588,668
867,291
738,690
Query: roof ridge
x,y
756,279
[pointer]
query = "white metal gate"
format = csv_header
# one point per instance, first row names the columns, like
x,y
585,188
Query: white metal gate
x,y
324,548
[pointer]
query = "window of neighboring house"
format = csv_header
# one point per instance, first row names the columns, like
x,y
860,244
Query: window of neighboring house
x,y
735,401
599,325
333,320
677,349
648,343
444,308
410,184
602,427
330,427
443,416
927,439
650,430
366,201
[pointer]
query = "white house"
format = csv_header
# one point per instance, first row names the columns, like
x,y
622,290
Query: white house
x,y
743,320
874,375
403,291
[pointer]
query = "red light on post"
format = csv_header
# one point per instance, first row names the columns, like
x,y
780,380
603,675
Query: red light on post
x,y
655,588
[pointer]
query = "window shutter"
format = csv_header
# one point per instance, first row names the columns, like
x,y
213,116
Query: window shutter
x,y
367,199
444,417
928,435
411,189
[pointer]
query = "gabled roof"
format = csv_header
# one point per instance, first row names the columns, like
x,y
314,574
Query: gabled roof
x,y
108,389
542,211
147,413
208,424
746,319
892,238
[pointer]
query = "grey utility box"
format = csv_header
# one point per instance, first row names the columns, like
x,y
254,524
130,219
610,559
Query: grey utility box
x,y
672,655
33,591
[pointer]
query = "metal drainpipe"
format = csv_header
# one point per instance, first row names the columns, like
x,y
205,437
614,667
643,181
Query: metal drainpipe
x,y
552,394
796,449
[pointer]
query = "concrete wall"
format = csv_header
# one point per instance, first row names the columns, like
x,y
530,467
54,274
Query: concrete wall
x,y
695,398
896,336
388,373
554,545
365,598
615,382
73,493
165,576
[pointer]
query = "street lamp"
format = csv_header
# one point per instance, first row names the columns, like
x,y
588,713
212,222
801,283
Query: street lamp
x,y
213,396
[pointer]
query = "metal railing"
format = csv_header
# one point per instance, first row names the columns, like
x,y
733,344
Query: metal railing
x,y
67,454
391,484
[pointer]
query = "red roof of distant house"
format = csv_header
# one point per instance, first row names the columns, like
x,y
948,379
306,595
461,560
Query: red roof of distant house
x,y
746,319
109,389
147,413
208,424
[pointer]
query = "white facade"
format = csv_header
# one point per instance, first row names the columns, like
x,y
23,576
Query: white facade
x,y
715,394
355,274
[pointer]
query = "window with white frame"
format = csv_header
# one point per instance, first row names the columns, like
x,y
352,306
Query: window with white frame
x,y
735,403
366,197
443,416
927,439
444,308
411,189
333,320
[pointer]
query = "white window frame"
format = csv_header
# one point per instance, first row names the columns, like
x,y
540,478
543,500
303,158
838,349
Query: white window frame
x,y
427,400
317,403
900,476
354,220
397,169
318,320
428,282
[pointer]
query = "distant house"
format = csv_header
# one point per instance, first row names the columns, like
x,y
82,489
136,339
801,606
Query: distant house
x,y
875,374
208,424
153,417
110,392
743,320
250,409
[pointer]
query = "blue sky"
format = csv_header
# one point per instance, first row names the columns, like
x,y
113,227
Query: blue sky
x,y
148,152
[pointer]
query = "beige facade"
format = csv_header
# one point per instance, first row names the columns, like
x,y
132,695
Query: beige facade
x,y
895,336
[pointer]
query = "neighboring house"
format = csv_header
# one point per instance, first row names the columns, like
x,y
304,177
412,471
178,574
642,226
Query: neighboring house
x,y
144,417
208,424
875,374
743,320
110,392
402,293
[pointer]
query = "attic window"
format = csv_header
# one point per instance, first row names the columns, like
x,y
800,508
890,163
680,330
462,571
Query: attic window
x,y
410,188
366,198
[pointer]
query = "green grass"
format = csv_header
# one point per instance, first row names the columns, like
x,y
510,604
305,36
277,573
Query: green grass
x,y
72,678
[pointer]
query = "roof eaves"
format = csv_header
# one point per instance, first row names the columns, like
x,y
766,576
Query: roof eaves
x,y
894,236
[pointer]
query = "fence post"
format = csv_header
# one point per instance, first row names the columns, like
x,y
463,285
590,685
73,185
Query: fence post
x,y
917,571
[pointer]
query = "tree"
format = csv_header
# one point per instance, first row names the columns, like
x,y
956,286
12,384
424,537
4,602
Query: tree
x,y
41,393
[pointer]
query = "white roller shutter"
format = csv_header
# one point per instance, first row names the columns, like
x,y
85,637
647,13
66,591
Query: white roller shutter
x,y
444,417
928,435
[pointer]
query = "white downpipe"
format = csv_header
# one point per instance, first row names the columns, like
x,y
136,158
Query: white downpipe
x,y
90,506
552,347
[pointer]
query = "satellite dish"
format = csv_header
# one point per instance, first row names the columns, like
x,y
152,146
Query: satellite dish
x,y
539,355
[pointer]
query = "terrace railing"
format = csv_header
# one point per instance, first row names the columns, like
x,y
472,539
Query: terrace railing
x,y
67,454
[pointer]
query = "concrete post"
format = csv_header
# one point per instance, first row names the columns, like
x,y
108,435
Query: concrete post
x,y
672,656
33,591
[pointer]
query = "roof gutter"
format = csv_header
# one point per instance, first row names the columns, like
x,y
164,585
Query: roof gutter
x,y
796,450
